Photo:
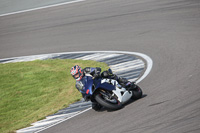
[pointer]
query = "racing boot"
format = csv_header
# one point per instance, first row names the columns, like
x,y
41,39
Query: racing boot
x,y
96,106
131,86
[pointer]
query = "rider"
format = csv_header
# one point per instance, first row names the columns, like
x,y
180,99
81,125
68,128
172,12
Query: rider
x,y
78,73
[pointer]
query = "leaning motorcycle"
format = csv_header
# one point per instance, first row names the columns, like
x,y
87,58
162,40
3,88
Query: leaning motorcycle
x,y
108,92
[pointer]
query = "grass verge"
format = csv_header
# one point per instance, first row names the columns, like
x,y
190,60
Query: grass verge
x,y
29,91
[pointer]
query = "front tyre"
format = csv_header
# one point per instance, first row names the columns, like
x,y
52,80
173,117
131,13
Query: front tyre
x,y
103,101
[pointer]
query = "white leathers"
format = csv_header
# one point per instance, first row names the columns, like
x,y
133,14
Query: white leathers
x,y
122,94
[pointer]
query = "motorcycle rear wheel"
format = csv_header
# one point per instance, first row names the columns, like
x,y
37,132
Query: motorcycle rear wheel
x,y
103,102
137,94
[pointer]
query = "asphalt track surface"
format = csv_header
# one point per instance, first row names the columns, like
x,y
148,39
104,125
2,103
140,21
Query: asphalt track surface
x,y
168,31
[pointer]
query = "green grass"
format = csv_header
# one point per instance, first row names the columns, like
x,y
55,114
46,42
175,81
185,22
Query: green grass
x,y
29,91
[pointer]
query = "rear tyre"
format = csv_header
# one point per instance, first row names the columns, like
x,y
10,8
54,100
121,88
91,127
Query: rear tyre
x,y
105,103
137,93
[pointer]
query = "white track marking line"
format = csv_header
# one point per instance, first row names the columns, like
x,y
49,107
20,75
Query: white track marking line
x,y
38,8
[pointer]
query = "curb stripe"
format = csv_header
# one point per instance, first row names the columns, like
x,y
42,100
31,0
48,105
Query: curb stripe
x,y
64,120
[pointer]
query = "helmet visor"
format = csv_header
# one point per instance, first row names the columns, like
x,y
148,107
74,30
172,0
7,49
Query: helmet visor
x,y
76,76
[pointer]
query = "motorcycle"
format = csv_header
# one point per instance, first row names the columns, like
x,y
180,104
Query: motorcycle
x,y
108,92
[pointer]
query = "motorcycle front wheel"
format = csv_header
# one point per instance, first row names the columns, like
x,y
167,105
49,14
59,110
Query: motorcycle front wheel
x,y
105,101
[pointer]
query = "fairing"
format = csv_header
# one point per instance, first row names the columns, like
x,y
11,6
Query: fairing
x,y
88,82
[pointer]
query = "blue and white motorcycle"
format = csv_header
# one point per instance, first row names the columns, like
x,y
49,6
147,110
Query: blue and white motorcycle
x,y
108,92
